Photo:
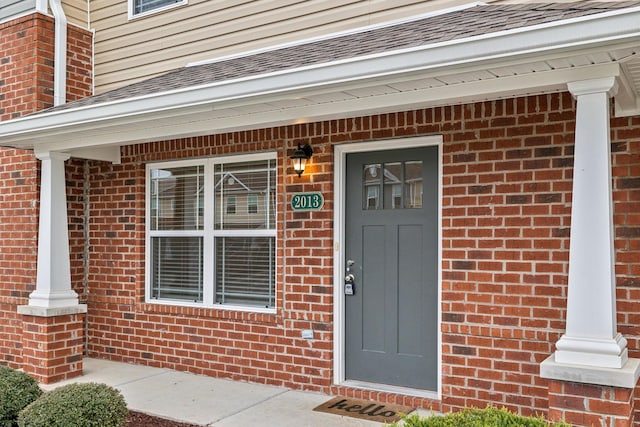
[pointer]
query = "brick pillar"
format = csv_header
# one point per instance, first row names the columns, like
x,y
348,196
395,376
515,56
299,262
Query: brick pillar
x,y
591,405
52,345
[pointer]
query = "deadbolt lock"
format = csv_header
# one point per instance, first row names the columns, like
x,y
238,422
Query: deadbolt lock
x,y
349,280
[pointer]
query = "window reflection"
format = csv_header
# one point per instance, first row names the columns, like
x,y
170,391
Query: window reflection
x,y
413,185
176,198
393,185
400,184
245,195
371,174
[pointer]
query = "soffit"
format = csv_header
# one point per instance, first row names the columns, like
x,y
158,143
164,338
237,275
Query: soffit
x,y
272,88
465,23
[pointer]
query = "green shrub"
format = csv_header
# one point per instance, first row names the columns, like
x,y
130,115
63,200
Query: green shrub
x,y
17,390
78,405
488,417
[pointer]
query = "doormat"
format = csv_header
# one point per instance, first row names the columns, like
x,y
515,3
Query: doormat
x,y
364,409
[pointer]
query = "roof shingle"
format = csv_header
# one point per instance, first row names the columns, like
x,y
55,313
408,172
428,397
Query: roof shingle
x,y
461,24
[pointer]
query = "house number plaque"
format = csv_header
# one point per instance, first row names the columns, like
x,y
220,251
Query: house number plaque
x,y
307,201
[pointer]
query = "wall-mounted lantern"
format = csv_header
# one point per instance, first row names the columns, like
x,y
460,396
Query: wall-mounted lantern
x,y
300,157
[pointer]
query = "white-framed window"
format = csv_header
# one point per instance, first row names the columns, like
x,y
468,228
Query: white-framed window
x,y
201,252
252,204
231,203
139,8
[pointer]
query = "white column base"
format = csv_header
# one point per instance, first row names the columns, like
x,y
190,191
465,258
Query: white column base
x,y
52,299
611,353
624,377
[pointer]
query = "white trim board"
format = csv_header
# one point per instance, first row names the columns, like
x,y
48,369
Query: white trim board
x,y
340,154
103,124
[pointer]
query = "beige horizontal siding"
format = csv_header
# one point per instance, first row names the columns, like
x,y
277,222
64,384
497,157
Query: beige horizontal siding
x,y
132,50
76,11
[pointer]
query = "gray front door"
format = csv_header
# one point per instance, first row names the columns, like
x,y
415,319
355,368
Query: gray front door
x,y
392,251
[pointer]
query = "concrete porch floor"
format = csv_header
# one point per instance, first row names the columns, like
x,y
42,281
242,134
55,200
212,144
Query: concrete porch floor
x,y
210,401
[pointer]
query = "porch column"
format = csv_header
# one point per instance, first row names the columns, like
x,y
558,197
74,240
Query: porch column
x,y
591,360
53,283
591,337
53,321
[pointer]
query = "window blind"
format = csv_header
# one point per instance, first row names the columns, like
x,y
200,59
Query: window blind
x,y
245,263
177,211
245,270
177,265
212,231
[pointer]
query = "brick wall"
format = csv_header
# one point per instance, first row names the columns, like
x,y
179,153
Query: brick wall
x,y
77,180
79,63
27,65
506,216
52,346
18,249
26,86
507,169
589,405
506,235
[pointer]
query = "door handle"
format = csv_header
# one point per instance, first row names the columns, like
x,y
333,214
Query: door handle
x,y
349,279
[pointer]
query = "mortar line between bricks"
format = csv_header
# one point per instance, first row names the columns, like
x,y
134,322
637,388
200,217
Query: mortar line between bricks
x,y
214,422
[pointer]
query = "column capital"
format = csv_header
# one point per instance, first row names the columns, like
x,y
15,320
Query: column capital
x,y
51,155
608,85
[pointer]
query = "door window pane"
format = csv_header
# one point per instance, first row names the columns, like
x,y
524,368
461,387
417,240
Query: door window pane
x,y
413,185
393,185
371,186
400,183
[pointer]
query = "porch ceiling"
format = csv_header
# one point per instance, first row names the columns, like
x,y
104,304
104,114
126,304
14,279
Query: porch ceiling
x,y
539,59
